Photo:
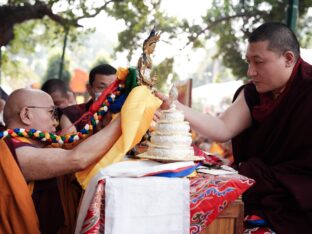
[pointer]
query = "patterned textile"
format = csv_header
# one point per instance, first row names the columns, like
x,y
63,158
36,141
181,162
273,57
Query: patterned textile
x,y
210,159
256,225
209,196
259,230
95,220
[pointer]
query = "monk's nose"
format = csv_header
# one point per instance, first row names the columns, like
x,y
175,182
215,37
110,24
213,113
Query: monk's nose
x,y
251,71
55,122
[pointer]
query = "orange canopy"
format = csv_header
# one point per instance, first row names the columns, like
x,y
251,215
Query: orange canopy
x,y
78,81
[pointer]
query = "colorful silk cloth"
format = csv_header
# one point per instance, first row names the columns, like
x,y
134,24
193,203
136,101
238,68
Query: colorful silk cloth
x,y
259,230
136,115
209,195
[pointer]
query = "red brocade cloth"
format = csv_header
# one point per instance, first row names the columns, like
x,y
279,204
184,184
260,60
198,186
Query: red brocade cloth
x,y
209,195
259,230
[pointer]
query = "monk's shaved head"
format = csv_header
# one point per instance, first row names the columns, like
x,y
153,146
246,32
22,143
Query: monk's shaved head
x,y
21,98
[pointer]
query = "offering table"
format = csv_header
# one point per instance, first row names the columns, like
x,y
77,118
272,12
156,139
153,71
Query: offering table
x,y
213,199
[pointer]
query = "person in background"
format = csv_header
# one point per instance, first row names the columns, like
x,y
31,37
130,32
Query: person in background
x,y
71,98
100,77
43,168
270,125
59,91
3,98
2,103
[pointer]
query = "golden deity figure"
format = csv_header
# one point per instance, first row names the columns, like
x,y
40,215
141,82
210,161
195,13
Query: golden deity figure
x,y
145,61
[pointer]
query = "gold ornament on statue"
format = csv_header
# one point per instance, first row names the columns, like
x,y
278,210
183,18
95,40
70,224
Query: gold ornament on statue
x,y
145,61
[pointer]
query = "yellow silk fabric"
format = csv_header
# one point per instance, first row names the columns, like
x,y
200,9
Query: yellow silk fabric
x,y
122,73
136,116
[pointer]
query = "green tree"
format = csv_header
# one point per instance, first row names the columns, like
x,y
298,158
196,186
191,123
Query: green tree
x,y
162,71
230,22
42,25
101,59
140,17
28,26
53,69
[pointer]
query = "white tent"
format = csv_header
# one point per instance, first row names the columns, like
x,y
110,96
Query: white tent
x,y
306,54
212,96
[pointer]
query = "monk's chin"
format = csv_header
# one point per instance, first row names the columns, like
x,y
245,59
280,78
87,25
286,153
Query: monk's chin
x,y
261,90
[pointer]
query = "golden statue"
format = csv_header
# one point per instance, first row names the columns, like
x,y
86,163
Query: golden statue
x,y
145,61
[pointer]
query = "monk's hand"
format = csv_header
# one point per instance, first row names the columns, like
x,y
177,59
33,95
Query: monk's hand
x,y
157,115
105,121
166,101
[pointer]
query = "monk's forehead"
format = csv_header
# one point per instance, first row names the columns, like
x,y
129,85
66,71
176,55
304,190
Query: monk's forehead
x,y
34,98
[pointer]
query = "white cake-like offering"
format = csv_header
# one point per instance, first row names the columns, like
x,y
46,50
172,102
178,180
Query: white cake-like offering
x,y
171,138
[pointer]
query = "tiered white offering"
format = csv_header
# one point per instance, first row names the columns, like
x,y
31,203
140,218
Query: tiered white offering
x,y
171,140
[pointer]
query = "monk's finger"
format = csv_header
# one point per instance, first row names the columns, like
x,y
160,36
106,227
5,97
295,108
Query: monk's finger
x,y
161,96
157,115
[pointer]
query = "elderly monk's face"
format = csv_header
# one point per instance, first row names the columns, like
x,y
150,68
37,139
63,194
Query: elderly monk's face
x,y
268,70
41,111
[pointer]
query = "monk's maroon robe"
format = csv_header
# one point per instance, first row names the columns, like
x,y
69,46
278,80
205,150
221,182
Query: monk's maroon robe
x,y
55,200
75,112
277,152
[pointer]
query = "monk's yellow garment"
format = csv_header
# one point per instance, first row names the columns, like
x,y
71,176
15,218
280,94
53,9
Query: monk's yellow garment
x,y
30,184
136,116
17,210
69,194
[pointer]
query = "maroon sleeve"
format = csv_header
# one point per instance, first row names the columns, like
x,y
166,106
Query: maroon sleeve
x,y
13,144
250,93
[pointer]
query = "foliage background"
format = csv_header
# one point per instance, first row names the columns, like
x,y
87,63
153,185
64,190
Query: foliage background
x,y
227,23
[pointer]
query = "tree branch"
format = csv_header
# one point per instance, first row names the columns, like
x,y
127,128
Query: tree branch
x,y
216,22
97,11
15,14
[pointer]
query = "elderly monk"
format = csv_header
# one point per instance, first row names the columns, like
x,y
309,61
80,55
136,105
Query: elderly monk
x,y
28,108
270,124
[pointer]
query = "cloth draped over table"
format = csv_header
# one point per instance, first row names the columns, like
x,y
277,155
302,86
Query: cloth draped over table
x,y
209,196
136,115
146,205
277,153
128,168
17,210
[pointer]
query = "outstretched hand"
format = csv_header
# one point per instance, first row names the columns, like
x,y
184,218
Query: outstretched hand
x,y
166,101
164,106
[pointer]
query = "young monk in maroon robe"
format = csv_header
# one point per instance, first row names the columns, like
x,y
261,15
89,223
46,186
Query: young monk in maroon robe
x,y
271,127
100,78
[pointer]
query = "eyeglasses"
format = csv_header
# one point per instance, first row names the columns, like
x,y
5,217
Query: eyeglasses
x,y
53,111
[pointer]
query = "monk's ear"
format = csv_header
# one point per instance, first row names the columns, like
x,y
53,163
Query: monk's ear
x,y
290,58
89,89
25,116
